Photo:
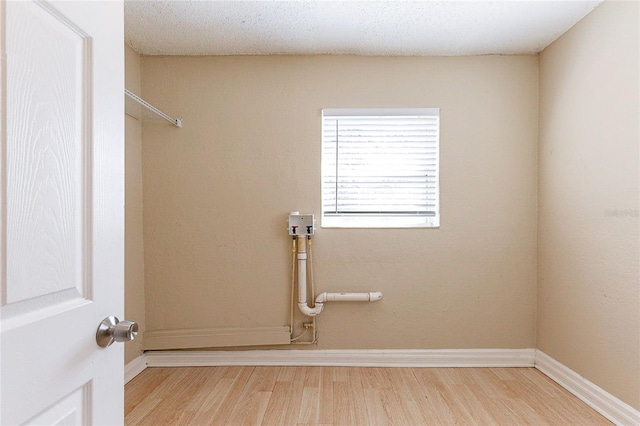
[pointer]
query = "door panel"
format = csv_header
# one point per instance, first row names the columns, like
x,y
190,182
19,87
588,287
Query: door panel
x,y
48,139
70,410
62,211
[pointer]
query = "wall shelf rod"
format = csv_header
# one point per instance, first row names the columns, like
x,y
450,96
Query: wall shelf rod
x,y
175,121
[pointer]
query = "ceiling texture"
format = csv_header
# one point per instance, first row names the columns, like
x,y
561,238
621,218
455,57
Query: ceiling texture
x,y
372,28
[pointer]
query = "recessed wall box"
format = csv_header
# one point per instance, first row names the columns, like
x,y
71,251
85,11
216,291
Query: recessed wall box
x,y
301,224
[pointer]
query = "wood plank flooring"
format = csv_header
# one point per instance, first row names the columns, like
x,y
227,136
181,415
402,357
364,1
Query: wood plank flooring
x,y
351,396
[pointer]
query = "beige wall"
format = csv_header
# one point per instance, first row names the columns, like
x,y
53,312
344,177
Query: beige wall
x,y
134,257
588,273
218,191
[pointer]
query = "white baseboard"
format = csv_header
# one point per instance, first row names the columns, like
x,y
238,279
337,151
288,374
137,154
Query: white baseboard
x,y
134,368
600,400
355,358
350,358
215,337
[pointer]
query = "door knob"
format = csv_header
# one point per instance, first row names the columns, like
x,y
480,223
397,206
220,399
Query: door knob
x,y
112,330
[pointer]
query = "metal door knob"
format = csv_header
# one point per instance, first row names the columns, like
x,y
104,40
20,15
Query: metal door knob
x,y
112,330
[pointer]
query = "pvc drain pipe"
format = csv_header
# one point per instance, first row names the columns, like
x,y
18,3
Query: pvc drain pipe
x,y
322,297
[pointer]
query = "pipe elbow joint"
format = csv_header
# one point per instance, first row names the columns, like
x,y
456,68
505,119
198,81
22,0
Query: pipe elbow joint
x,y
311,312
322,297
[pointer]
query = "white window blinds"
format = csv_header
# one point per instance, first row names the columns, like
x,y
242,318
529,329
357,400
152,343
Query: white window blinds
x,y
380,167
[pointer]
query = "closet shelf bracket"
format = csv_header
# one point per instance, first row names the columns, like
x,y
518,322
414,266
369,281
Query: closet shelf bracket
x,y
175,121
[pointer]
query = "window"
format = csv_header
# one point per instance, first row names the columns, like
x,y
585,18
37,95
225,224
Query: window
x,y
380,168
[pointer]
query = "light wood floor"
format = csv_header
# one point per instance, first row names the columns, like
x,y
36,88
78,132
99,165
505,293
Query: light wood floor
x,y
351,396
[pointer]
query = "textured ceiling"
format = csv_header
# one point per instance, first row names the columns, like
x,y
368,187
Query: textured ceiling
x,y
396,28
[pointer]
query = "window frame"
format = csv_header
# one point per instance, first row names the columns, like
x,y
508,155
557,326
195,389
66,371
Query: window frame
x,y
373,219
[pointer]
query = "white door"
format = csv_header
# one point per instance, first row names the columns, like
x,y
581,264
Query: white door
x,y
61,176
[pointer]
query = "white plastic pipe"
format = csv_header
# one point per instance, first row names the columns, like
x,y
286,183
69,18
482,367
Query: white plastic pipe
x,y
350,297
302,281
322,297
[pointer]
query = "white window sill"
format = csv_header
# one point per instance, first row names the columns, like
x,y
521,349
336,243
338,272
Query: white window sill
x,y
380,222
